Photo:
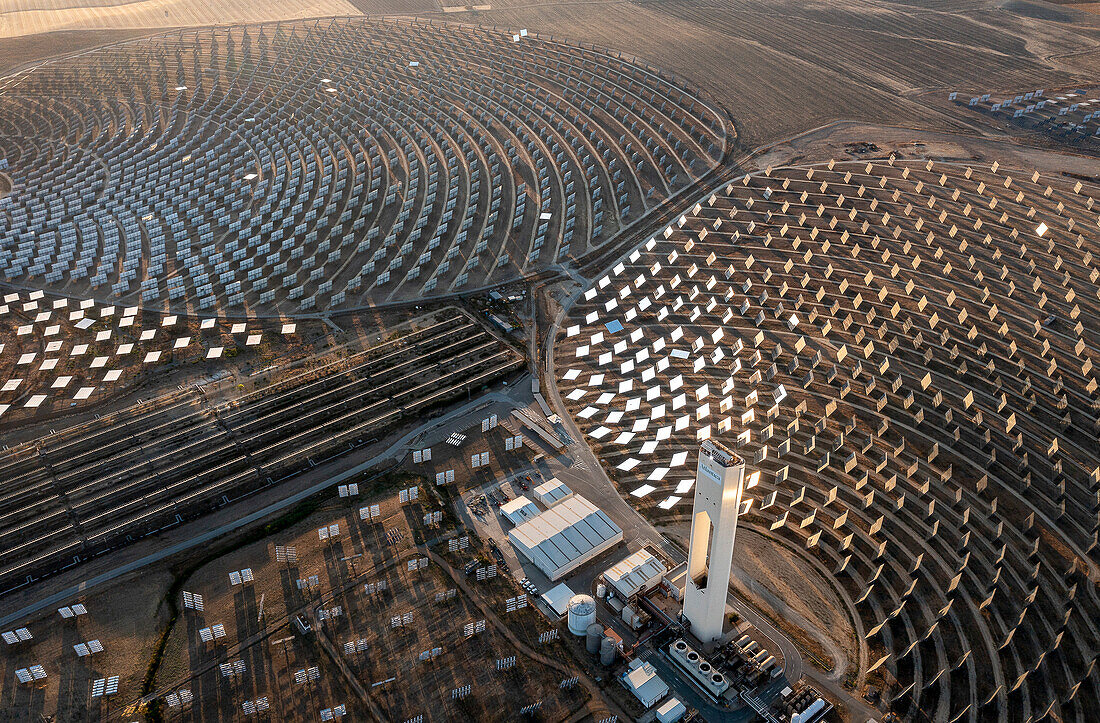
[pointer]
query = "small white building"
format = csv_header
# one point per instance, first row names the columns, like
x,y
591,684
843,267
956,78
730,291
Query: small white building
x,y
519,510
671,711
551,492
636,575
558,598
642,680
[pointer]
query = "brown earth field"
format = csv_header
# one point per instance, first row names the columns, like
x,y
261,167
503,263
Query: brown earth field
x,y
15,52
785,66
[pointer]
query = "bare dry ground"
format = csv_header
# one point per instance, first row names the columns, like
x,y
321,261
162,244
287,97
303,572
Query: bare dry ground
x,y
17,19
784,66
15,52
779,66
124,617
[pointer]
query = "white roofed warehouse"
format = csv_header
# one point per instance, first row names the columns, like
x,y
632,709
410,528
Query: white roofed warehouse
x,y
565,537
519,510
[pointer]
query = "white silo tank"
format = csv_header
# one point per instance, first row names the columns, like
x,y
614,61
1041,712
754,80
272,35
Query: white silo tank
x,y
582,613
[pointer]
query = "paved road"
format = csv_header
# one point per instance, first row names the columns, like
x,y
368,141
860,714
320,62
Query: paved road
x,y
394,452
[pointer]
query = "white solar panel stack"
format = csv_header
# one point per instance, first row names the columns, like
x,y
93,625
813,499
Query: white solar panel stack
x,y
331,613
193,601
506,663
309,583
103,687
370,513
513,442
307,675
446,595
549,636
459,543
372,588
416,719
568,682
460,692
349,490
89,648
408,495
240,577
32,674
530,709
513,604
489,423
352,647
422,455
609,719
473,628
418,564
232,669
433,518
286,553
479,460
178,698
21,635
329,532
430,654
260,705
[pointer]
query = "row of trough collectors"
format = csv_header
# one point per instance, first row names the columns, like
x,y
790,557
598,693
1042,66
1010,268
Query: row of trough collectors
x,y
128,474
905,351
309,166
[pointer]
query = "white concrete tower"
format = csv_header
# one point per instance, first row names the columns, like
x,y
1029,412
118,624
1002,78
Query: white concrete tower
x,y
713,527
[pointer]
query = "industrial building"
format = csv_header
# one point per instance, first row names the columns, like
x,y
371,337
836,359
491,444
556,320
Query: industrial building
x,y
558,598
636,575
642,680
671,711
566,536
551,492
519,510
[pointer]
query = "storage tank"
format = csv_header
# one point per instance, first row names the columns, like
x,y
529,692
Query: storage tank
x,y
593,638
607,651
582,613
601,590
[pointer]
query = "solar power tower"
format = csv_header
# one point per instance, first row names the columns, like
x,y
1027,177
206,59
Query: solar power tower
x,y
713,527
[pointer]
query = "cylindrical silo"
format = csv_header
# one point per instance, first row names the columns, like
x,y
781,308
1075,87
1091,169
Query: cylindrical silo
x,y
601,590
607,651
594,638
582,613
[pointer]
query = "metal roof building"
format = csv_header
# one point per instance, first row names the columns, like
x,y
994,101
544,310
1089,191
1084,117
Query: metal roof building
x,y
639,573
551,492
642,680
558,598
671,711
519,510
566,536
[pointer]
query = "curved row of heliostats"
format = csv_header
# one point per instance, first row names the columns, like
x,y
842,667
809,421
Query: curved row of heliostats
x,y
308,166
903,353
